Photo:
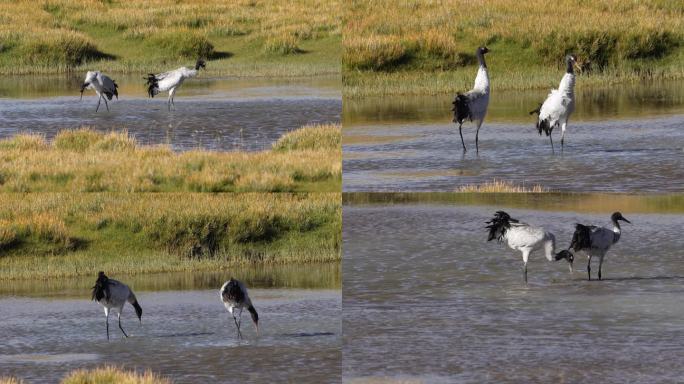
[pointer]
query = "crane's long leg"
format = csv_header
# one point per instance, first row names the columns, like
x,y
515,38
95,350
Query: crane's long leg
x,y
551,140
589,267
120,327
106,105
460,132
525,255
107,321
600,265
563,134
237,325
98,102
477,134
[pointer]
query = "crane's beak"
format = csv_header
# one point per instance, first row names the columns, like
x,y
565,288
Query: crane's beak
x,y
83,87
626,221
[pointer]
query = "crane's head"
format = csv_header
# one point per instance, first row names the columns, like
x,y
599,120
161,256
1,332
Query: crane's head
x,y
482,50
618,216
200,64
89,78
571,62
567,255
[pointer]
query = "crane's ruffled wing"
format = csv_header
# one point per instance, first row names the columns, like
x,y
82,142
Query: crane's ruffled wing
x,y
168,80
477,103
109,86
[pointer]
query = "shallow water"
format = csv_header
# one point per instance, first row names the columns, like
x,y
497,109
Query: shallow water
x,y
624,139
427,299
222,114
185,334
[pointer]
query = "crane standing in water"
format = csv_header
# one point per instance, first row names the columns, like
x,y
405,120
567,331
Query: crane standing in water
x,y
559,104
235,298
525,238
112,294
171,81
596,241
104,86
472,105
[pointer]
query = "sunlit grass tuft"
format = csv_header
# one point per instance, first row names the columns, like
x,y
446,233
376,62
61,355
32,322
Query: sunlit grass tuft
x,y
501,186
112,375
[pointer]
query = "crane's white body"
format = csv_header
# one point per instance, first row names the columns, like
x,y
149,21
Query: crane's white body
x,y
103,85
236,301
527,239
479,97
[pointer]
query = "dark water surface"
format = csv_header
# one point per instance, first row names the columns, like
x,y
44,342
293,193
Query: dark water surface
x,y
428,300
186,333
626,138
210,113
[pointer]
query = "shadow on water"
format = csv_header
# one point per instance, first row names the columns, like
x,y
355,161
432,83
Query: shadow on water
x,y
312,334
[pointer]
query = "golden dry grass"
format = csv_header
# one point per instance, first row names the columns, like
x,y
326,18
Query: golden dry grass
x,y
137,35
10,380
501,186
83,160
112,375
428,46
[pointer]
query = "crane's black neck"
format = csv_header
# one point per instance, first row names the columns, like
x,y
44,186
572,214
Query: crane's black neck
x,y
616,224
569,67
481,59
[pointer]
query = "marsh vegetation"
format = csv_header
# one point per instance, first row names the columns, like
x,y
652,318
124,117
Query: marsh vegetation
x,y
242,38
84,160
69,234
428,47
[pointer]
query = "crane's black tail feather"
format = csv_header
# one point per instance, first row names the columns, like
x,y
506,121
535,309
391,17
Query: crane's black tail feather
x,y
461,109
544,126
499,225
253,312
581,239
138,309
152,85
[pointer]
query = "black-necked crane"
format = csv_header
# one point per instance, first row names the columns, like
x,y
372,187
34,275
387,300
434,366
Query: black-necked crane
x,y
104,86
171,81
559,104
113,294
596,241
235,298
472,105
524,238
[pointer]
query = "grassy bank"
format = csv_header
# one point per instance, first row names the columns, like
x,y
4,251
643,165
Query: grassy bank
x,y
103,375
416,47
83,160
239,38
70,234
